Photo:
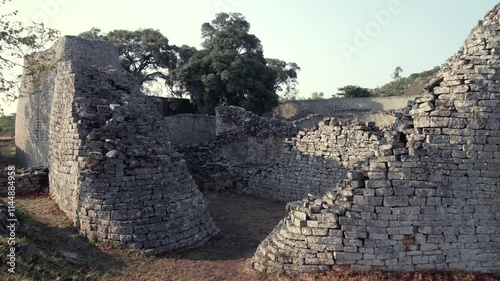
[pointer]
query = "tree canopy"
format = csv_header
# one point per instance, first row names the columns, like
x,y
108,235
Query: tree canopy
x,y
232,69
17,41
7,124
317,96
145,53
352,91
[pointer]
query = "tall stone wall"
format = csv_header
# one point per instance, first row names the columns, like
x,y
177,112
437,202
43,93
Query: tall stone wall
x,y
35,100
429,199
112,169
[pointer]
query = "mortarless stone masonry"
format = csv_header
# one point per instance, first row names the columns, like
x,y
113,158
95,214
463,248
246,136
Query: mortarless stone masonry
x,y
249,155
429,199
190,129
26,180
112,169
420,195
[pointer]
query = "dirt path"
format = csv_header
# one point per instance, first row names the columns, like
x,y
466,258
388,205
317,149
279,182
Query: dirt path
x,y
243,221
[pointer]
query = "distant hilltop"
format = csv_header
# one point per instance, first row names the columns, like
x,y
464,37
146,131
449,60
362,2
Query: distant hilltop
x,y
407,86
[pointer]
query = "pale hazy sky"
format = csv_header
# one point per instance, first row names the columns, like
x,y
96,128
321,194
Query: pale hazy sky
x,y
335,42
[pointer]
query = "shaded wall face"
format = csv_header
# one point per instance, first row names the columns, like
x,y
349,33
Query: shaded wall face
x,y
314,162
190,129
112,168
32,121
66,158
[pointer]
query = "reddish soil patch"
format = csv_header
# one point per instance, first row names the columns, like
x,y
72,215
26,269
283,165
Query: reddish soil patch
x,y
244,222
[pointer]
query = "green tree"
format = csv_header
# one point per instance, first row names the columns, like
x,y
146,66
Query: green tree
x,y
231,69
286,81
145,53
352,91
317,96
396,74
17,41
93,34
7,125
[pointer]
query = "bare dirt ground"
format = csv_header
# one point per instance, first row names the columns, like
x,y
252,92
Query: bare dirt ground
x,y
244,222
47,235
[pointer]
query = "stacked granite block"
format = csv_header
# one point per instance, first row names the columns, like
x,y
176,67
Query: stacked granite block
x,y
429,198
112,169
26,180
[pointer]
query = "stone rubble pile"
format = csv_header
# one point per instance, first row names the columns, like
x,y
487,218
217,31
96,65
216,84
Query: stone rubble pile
x,y
26,180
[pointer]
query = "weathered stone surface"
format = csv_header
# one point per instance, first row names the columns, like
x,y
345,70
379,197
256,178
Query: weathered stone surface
x,y
25,181
430,187
112,168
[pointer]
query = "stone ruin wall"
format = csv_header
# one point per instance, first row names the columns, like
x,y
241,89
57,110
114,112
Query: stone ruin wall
x,y
189,129
383,119
112,169
243,145
429,199
271,158
314,161
27,180
294,110
421,195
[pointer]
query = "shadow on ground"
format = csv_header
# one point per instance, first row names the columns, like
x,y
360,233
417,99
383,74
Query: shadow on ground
x,y
48,246
244,221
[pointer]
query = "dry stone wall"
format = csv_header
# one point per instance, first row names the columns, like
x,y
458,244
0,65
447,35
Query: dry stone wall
x,y
429,199
271,158
244,144
26,180
190,129
112,168
316,160
294,110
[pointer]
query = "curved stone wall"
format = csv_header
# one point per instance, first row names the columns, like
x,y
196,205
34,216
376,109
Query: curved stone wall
x,y
112,169
430,197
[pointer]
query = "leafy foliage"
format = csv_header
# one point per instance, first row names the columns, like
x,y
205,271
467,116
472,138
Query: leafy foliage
x,y
352,91
396,75
16,42
411,85
7,125
286,81
231,69
145,53
317,96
